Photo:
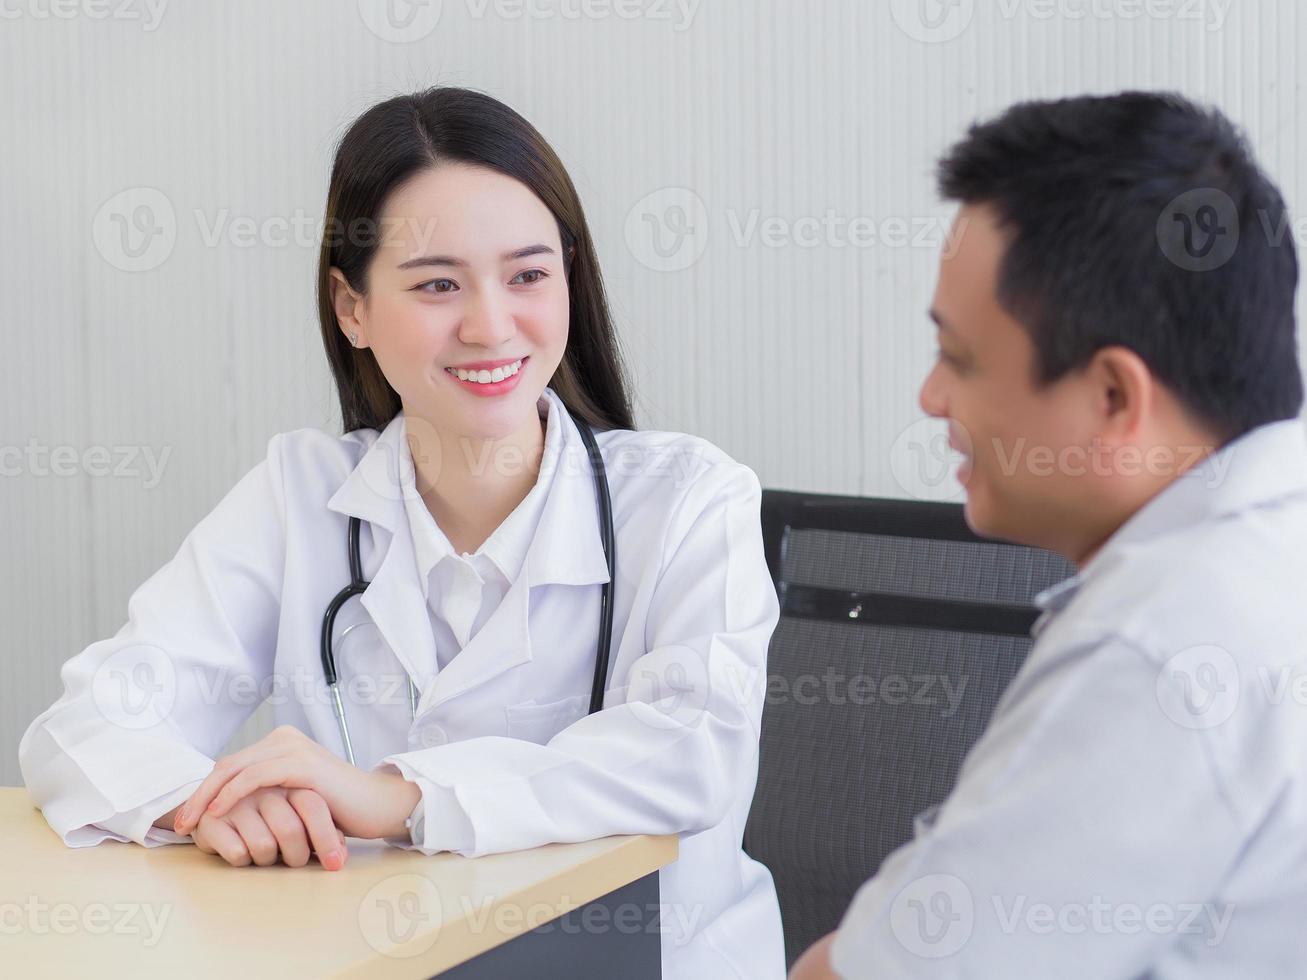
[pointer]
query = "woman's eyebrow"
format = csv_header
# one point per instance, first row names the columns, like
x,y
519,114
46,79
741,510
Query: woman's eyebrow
x,y
521,253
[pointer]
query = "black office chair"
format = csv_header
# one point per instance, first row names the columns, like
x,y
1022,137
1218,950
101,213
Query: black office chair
x,y
899,631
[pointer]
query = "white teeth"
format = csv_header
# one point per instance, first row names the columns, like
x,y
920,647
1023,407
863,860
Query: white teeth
x,y
487,377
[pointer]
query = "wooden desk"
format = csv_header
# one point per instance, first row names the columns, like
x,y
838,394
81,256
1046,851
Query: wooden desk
x,y
119,909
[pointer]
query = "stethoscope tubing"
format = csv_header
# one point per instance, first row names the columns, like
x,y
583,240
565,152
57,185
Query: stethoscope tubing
x,y
358,585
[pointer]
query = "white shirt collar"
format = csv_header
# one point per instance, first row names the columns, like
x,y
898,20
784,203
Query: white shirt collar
x,y
506,548
567,548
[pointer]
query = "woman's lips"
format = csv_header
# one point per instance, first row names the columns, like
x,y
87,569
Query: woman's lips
x,y
492,388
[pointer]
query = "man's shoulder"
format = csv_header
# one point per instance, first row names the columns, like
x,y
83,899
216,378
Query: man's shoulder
x,y
1230,582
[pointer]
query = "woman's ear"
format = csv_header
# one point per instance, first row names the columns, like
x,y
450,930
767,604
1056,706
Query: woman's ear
x,y
349,307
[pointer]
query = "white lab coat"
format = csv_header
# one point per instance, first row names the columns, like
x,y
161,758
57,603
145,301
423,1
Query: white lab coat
x,y
502,747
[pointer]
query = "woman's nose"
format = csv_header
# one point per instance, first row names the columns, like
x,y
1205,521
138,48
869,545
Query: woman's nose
x,y
487,323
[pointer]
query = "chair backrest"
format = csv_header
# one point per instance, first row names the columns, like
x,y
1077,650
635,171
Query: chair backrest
x,y
899,630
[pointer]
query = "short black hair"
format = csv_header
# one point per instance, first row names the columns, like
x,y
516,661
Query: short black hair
x,y
1117,212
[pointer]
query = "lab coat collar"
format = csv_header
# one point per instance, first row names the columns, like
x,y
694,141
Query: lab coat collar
x,y
567,549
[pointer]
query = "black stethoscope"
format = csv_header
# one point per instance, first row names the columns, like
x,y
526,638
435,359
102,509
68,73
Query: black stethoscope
x,y
357,586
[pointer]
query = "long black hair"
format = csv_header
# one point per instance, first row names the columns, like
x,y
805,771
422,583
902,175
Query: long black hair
x,y
404,135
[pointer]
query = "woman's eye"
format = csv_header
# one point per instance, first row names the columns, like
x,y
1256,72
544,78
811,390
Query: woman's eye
x,y
539,274
442,286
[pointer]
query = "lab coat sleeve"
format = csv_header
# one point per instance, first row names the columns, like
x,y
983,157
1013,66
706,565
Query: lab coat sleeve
x,y
676,745
1086,830
144,714
437,816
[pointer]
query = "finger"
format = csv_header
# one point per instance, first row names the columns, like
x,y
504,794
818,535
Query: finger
x,y
316,817
226,767
225,841
259,839
286,826
288,771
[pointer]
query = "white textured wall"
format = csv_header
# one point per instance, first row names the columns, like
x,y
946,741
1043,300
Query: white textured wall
x,y
801,359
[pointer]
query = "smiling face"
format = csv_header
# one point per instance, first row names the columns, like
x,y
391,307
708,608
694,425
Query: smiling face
x,y
1027,469
467,286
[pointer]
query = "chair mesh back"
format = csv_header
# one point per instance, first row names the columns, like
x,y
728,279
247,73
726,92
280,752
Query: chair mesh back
x,y
899,631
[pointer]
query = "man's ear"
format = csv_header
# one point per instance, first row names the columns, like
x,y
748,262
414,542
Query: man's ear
x,y
1124,390
347,305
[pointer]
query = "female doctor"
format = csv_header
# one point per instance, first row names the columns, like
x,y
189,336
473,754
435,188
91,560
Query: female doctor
x,y
464,319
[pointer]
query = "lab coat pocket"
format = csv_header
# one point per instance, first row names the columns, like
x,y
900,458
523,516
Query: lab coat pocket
x,y
538,723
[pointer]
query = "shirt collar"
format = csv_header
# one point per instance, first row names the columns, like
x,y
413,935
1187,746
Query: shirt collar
x,y
1261,466
565,546
509,543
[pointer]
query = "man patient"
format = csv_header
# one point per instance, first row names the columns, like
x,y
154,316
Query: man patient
x,y
1118,366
